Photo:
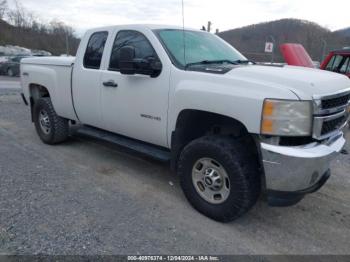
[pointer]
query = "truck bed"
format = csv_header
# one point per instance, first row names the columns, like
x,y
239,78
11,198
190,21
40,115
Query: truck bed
x,y
54,73
55,61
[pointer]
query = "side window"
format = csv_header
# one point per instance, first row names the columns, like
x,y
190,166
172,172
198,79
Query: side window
x,y
16,60
337,61
143,48
345,66
94,50
330,64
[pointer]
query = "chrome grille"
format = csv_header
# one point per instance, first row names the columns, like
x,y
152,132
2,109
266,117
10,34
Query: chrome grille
x,y
332,125
331,114
335,102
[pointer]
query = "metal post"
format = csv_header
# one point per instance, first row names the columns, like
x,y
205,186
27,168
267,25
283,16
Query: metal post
x,y
273,50
323,50
209,26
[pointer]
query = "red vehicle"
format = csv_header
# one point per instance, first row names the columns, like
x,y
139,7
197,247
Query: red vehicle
x,y
338,61
296,55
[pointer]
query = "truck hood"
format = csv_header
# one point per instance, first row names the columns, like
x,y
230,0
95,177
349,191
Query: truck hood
x,y
303,82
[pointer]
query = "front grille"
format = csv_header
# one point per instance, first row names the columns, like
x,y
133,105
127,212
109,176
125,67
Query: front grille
x,y
330,114
333,125
335,102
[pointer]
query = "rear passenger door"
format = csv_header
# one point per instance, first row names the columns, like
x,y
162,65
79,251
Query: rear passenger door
x,y
137,107
87,77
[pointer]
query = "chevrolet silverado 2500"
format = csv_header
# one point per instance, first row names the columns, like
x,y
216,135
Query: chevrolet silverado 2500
x,y
231,129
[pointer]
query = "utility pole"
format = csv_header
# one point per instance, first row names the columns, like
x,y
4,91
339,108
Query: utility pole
x,y
67,44
273,50
323,50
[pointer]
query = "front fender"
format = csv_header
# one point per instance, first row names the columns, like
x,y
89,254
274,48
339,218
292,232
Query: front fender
x,y
239,99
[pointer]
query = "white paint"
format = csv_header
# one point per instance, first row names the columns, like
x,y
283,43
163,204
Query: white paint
x,y
238,94
10,84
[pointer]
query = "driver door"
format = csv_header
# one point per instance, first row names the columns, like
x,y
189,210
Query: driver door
x,y
135,105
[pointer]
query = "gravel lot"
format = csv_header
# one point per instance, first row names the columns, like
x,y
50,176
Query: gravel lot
x,y
87,197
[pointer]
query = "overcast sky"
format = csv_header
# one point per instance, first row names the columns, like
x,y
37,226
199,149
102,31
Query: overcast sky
x,y
225,14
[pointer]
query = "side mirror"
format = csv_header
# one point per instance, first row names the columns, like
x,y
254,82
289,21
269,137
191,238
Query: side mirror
x,y
155,66
126,61
149,66
129,65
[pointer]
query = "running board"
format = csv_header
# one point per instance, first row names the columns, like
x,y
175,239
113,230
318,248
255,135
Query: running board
x,y
139,146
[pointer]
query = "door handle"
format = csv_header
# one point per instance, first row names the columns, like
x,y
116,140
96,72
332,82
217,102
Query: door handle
x,y
110,83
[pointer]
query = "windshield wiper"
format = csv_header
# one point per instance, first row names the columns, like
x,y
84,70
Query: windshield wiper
x,y
244,62
208,62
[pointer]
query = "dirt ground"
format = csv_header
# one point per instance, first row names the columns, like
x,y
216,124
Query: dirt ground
x,y
87,197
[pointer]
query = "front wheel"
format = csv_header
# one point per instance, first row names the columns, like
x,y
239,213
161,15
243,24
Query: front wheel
x,y
51,128
219,176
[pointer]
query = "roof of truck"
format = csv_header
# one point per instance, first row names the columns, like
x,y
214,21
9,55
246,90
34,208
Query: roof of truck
x,y
148,26
342,51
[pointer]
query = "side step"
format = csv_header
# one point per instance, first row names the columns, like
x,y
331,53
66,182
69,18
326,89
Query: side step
x,y
144,148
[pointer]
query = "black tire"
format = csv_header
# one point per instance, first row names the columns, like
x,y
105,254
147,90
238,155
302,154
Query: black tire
x,y
59,127
241,165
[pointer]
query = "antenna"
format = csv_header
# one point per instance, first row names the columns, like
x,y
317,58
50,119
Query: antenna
x,y
183,30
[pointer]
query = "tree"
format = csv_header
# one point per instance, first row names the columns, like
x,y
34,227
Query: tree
x,y
20,17
16,16
3,8
27,30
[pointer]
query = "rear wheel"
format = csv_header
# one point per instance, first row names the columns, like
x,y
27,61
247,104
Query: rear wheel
x,y
219,176
51,128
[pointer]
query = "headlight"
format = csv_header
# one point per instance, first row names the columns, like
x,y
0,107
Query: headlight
x,y
286,118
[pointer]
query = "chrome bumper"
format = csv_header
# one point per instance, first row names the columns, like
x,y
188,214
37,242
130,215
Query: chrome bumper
x,y
291,169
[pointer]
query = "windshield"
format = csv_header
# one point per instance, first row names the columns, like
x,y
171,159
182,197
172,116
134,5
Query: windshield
x,y
199,47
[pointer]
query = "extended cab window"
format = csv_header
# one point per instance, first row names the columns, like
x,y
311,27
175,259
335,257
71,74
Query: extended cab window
x,y
143,48
94,50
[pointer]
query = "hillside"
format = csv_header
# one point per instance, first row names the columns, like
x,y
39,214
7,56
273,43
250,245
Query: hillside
x,y
345,32
52,40
250,40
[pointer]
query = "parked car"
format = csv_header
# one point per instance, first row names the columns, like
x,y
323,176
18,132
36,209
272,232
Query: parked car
x,y
338,61
231,129
11,67
3,59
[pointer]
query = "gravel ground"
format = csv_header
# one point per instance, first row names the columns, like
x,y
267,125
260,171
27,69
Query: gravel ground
x,y
87,197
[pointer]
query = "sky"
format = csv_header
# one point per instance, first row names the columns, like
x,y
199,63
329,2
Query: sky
x,y
224,14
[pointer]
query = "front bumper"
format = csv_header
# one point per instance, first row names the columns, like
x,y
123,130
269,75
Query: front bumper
x,y
295,171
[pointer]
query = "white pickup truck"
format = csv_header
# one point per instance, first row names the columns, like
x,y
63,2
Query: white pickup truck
x,y
231,129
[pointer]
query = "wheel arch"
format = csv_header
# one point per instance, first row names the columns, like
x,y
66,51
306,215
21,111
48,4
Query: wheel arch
x,y
192,124
36,91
